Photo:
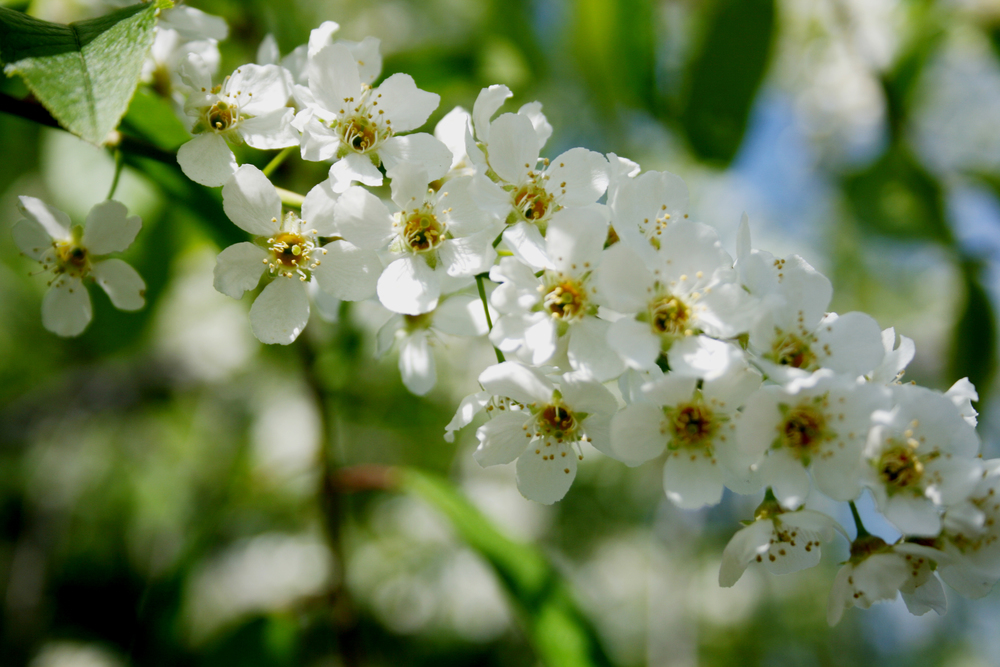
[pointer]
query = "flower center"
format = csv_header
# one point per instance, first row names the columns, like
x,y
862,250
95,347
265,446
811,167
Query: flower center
x,y
422,231
557,422
533,202
71,258
292,253
900,468
669,315
223,116
794,351
566,300
803,431
361,134
693,426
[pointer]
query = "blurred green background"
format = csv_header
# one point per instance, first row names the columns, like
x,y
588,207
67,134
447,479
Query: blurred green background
x,y
174,493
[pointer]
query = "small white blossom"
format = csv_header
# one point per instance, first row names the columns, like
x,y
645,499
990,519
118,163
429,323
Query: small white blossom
x,y
74,255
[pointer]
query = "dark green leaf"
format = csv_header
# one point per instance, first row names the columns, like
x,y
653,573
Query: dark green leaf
x,y
724,75
896,196
558,631
84,73
974,340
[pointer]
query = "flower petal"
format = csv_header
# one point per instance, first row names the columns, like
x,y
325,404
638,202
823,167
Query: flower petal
x,y
109,228
635,433
363,219
409,286
416,364
348,272
207,159
251,202
281,311
544,480
501,439
31,238
66,309
122,283
318,209
407,106
513,147
420,148
55,222
238,268
518,382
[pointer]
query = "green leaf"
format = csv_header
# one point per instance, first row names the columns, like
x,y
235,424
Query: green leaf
x,y
974,340
724,75
561,635
84,73
897,197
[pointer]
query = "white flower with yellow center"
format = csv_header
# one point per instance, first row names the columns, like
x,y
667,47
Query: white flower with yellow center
x,y
920,458
782,541
692,421
359,126
74,255
687,287
816,423
434,237
250,106
970,537
538,424
288,249
553,317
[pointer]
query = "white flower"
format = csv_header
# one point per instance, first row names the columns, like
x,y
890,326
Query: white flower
x,y
783,541
896,360
643,206
538,424
180,31
288,248
692,420
818,422
250,106
971,537
687,287
77,255
458,315
919,459
556,313
435,236
876,571
348,120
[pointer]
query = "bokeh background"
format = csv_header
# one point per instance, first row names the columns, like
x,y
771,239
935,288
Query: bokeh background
x,y
173,492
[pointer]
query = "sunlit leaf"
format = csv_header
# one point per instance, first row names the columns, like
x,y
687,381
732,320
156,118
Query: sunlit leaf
x,y
724,75
558,631
84,73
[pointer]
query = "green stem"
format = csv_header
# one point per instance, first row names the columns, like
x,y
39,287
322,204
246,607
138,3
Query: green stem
x,y
118,172
857,521
278,159
289,198
486,309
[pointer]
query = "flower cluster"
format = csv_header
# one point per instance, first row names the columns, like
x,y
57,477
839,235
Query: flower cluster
x,y
629,328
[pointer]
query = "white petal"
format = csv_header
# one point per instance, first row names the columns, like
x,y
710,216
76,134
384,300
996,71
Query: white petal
x,y
634,342
927,597
53,221
318,209
574,239
333,76
691,484
322,36
624,279
518,382
66,309
786,476
109,228
259,89
635,433
468,256
487,103
31,238
670,389
501,439
913,516
354,167
251,202
743,547
207,159
467,410
280,312
409,286
580,175
404,104
513,147
363,219
272,129
704,357
544,481
590,352
121,282
533,112
408,183
238,268
527,245
461,315
348,272
421,148
416,364
849,343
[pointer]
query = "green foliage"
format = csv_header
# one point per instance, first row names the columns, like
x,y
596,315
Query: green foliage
x,y
84,73
559,632
974,338
724,75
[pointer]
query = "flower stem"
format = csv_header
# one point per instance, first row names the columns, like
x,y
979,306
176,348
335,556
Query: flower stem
x,y
857,521
277,160
289,198
118,172
486,309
